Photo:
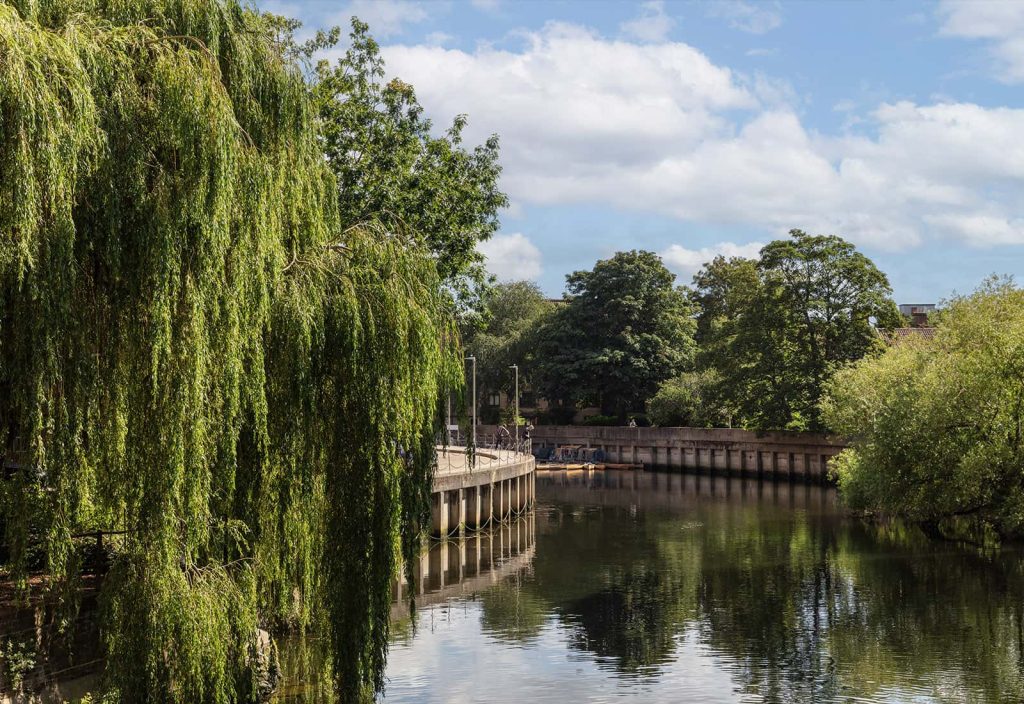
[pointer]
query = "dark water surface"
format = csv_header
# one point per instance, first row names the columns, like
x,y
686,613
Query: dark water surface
x,y
675,588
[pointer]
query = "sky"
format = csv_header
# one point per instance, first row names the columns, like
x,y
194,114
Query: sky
x,y
700,128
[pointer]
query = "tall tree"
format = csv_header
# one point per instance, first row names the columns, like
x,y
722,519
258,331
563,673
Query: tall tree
x,y
625,328
195,351
777,329
391,168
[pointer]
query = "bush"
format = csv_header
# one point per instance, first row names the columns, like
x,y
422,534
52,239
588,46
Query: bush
x,y
601,420
935,424
684,400
557,415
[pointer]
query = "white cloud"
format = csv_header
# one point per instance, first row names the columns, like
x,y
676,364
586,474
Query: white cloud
x,y
438,38
512,257
981,229
386,17
1001,23
660,128
651,25
753,17
686,262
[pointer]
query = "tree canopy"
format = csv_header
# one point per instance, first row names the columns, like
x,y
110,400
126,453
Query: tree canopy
x,y
936,424
623,330
512,312
391,168
201,349
776,329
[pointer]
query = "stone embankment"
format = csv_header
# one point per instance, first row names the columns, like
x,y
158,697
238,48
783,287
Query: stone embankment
x,y
769,455
473,493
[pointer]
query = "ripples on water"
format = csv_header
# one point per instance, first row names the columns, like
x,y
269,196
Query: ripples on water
x,y
669,588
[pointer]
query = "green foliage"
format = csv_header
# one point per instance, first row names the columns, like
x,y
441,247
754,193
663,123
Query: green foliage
x,y
391,168
775,330
556,415
18,659
936,424
625,328
601,420
687,400
502,336
508,417
196,349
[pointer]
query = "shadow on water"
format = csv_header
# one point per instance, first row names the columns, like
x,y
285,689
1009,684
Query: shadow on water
x,y
672,587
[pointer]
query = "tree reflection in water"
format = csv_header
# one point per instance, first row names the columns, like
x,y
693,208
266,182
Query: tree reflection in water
x,y
804,603
648,577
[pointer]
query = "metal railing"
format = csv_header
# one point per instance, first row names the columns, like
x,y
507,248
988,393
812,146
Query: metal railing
x,y
490,451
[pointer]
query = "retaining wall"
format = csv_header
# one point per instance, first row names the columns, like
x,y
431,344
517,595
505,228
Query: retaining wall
x,y
776,454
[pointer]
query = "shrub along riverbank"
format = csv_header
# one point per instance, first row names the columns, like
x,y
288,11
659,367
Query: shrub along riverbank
x,y
937,423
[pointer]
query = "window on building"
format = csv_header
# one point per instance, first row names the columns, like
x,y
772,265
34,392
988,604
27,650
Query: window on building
x,y
494,399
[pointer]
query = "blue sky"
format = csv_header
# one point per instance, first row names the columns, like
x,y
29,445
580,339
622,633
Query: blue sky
x,y
692,129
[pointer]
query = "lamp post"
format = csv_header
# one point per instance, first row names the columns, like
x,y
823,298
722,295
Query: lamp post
x,y
472,358
516,419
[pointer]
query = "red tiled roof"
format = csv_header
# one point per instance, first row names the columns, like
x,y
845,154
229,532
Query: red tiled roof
x,y
896,334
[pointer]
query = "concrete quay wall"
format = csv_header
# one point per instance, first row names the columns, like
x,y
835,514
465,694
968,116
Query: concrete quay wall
x,y
771,455
471,496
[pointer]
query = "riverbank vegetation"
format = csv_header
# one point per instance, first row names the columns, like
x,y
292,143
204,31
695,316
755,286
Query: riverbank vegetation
x,y
213,345
937,424
751,344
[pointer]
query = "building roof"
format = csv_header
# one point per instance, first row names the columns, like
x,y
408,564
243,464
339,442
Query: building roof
x,y
911,308
897,334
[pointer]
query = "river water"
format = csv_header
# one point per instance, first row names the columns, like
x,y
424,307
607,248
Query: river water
x,y
643,586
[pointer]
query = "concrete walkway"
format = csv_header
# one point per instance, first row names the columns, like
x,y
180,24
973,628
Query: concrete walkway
x,y
454,460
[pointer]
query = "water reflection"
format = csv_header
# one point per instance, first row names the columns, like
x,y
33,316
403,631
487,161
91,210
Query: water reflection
x,y
448,570
466,565
667,587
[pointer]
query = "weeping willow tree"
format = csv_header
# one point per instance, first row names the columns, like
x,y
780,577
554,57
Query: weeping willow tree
x,y
196,352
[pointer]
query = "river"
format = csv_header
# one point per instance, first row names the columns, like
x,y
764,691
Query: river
x,y
653,587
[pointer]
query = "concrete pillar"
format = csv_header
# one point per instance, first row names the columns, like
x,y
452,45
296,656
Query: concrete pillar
x,y
454,514
461,507
442,510
442,564
471,503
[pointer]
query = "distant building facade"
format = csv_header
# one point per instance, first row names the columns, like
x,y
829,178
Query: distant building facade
x,y
917,313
